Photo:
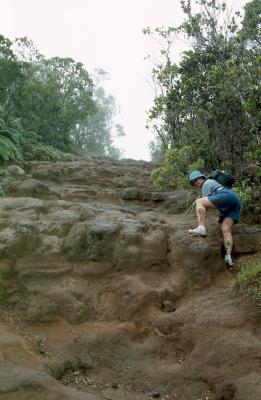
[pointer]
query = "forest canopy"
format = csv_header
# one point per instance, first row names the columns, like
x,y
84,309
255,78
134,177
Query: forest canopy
x,y
206,112
51,107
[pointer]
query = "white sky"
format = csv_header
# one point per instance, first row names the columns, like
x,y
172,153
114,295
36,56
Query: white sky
x,y
103,34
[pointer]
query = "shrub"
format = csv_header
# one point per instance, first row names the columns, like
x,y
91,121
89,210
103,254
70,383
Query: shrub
x,y
248,187
249,195
9,150
33,148
178,164
3,173
248,283
253,161
2,193
17,145
44,152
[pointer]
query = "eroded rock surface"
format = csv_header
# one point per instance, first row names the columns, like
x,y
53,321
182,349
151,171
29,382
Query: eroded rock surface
x,y
105,295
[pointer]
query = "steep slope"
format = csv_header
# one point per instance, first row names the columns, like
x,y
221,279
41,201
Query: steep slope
x,y
105,295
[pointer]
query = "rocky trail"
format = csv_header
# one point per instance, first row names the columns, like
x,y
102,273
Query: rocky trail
x,y
105,296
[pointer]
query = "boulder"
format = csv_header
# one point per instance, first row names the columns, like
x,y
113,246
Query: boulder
x,y
19,240
130,193
90,240
136,247
15,170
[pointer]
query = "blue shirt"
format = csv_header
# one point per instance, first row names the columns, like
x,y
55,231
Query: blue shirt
x,y
209,186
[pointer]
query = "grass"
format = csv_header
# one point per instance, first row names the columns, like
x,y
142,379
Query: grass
x,y
247,282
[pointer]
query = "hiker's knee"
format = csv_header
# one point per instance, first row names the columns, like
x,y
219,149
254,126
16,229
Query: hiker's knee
x,y
200,203
204,202
226,226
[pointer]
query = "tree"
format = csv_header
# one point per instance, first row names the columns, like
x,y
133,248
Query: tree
x,y
10,77
54,102
95,133
209,100
56,96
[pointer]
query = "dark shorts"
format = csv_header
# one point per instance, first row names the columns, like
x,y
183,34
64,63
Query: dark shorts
x,y
228,203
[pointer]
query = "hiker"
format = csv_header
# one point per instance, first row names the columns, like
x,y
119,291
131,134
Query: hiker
x,y
216,196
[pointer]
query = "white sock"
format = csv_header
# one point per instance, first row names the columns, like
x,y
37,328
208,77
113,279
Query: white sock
x,y
201,226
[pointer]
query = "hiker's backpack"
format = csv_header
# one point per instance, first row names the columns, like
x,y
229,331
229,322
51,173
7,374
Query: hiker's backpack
x,y
223,177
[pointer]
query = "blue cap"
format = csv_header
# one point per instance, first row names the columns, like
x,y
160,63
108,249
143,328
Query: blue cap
x,y
195,175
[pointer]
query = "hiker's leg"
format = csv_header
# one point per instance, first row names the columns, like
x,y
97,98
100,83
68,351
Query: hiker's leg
x,y
201,209
226,228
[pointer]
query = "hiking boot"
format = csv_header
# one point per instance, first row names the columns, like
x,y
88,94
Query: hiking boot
x,y
199,231
229,262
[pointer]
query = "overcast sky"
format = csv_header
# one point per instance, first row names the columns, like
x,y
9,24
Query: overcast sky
x,y
103,34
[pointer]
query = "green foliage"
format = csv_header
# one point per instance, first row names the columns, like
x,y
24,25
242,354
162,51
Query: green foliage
x,y
3,172
9,143
178,164
252,22
253,158
54,95
2,193
248,188
17,145
54,98
12,134
41,151
95,133
248,283
249,196
8,150
211,100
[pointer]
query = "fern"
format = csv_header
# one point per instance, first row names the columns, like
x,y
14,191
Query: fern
x,y
9,143
9,151
30,137
17,124
16,144
12,134
40,151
